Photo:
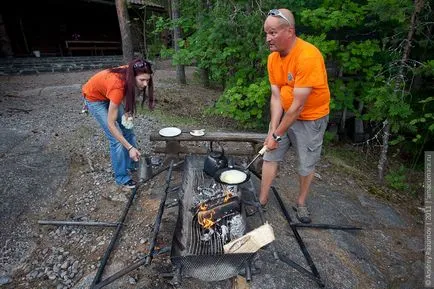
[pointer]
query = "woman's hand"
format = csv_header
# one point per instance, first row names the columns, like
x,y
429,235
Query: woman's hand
x,y
134,154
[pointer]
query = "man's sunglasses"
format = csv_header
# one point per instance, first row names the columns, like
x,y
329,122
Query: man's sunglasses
x,y
140,64
276,12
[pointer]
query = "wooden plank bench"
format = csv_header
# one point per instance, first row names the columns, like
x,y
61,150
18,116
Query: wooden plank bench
x,y
96,47
175,146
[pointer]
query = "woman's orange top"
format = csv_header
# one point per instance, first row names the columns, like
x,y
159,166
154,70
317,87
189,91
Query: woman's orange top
x,y
104,86
302,67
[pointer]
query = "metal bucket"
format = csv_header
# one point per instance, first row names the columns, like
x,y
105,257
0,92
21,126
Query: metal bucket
x,y
145,168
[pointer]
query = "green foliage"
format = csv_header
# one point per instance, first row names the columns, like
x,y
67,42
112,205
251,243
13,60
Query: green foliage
x,y
245,103
424,122
357,58
361,41
343,94
383,101
426,70
329,137
390,11
333,15
327,47
397,179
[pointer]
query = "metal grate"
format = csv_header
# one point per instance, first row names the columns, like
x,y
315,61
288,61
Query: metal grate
x,y
200,259
198,247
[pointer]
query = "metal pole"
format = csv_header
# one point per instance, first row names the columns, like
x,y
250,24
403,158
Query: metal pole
x,y
119,227
159,215
298,238
248,272
128,269
302,270
113,241
325,226
75,223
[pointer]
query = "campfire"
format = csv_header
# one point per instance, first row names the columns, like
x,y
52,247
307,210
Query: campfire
x,y
210,216
210,240
217,210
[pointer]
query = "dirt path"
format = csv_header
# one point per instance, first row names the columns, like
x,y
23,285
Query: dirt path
x,y
55,165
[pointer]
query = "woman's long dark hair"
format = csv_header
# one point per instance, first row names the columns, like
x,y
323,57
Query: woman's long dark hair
x,y
128,74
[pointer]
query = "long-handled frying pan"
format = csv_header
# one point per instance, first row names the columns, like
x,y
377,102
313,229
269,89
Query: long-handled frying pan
x,y
236,175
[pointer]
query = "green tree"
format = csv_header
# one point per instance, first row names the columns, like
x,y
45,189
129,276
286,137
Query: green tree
x,y
379,56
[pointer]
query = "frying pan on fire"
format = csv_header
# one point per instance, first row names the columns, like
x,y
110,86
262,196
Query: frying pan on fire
x,y
232,175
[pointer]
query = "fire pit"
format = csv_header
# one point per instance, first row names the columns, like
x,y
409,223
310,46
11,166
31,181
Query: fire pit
x,y
210,215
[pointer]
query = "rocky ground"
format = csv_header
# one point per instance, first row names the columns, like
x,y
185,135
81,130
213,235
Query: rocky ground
x,y
55,166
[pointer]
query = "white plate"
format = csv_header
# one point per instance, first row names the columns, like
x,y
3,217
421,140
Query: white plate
x,y
197,132
169,131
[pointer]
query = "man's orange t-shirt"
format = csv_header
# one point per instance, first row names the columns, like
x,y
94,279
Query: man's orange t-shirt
x,y
104,86
302,67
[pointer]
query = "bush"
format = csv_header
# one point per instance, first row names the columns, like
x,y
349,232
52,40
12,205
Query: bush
x,y
245,103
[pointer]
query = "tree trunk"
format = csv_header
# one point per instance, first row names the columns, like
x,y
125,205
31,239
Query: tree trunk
x,y
124,25
180,70
145,47
341,130
5,41
26,44
204,76
204,72
418,5
383,155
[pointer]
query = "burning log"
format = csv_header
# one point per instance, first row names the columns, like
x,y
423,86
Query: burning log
x,y
212,196
207,218
215,202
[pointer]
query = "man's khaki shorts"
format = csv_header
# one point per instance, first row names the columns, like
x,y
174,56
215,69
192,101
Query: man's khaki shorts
x,y
306,136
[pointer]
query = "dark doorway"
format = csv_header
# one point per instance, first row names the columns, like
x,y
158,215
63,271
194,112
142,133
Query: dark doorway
x,y
45,25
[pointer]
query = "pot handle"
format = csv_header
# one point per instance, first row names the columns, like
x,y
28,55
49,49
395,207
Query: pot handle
x,y
222,149
231,162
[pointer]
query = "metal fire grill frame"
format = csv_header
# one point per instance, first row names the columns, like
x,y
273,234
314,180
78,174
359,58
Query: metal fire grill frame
x,y
207,265
204,265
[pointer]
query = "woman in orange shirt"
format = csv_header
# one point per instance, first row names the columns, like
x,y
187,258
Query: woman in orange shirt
x,y
110,98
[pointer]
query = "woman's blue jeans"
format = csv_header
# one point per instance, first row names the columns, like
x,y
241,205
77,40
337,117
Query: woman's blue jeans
x,y
120,158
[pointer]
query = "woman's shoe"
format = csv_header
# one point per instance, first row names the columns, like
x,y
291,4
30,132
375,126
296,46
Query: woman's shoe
x,y
131,184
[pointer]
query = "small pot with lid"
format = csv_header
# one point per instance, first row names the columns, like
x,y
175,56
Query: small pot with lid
x,y
215,161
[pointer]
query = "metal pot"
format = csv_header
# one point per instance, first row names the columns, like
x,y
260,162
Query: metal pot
x,y
215,161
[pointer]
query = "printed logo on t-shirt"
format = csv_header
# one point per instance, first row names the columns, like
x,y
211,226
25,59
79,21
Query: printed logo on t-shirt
x,y
290,77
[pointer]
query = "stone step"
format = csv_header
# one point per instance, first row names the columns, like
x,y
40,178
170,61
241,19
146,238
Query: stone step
x,y
22,66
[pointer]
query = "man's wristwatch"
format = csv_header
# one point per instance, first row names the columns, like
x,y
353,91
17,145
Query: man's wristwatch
x,y
277,138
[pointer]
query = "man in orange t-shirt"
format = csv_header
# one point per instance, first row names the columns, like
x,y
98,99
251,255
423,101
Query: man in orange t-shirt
x,y
300,105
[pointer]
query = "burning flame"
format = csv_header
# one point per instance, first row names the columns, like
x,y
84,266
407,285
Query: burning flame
x,y
206,223
206,219
203,207
228,195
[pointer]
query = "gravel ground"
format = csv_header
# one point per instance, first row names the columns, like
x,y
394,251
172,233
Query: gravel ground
x,y
55,166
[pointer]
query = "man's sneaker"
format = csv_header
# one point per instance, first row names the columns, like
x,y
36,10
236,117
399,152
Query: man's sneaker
x,y
131,184
302,214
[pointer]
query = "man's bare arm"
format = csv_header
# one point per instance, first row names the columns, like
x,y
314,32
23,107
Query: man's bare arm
x,y
291,115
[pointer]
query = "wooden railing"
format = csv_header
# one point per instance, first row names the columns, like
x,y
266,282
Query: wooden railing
x,y
95,47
